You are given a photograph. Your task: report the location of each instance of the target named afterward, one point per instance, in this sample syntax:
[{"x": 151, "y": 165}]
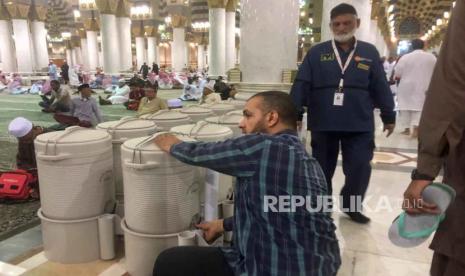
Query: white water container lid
[
  {"x": 236, "y": 112},
  {"x": 165, "y": 115},
  {"x": 219, "y": 106},
  {"x": 243, "y": 96},
  {"x": 73, "y": 140},
  {"x": 128, "y": 128},
  {"x": 142, "y": 153},
  {"x": 204, "y": 131},
  {"x": 227, "y": 119},
  {"x": 196, "y": 109}
]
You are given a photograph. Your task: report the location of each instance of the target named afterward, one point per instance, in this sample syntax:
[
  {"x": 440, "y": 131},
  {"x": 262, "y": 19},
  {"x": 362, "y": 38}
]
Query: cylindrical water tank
[
  {"x": 206, "y": 132},
  {"x": 120, "y": 131},
  {"x": 75, "y": 169},
  {"x": 220, "y": 108},
  {"x": 197, "y": 113},
  {"x": 238, "y": 104},
  {"x": 166, "y": 119},
  {"x": 160, "y": 194},
  {"x": 230, "y": 120}
]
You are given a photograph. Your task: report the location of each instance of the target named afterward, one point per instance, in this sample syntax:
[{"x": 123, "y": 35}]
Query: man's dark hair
[
  {"x": 418, "y": 44},
  {"x": 341, "y": 9},
  {"x": 154, "y": 86},
  {"x": 82, "y": 86},
  {"x": 55, "y": 82},
  {"x": 282, "y": 103}
]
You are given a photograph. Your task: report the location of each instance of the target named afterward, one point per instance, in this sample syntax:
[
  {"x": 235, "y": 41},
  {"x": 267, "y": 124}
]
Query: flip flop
[{"x": 412, "y": 230}]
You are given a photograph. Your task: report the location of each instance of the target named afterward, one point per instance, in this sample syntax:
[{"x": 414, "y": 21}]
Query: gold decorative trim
[
  {"x": 231, "y": 6},
  {"x": 107, "y": 6},
  {"x": 217, "y": 4},
  {"x": 17, "y": 11}
]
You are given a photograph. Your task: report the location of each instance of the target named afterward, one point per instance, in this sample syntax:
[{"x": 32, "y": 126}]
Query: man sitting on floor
[
  {"x": 59, "y": 101},
  {"x": 269, "y": 163},
  {"x": 150, "y": 103},
  {"x": 84, "y": 110},
  {"x": 209, "y": 96},
  {"x": 25, "y": 132},
  {"x": 120, "y": 94}
]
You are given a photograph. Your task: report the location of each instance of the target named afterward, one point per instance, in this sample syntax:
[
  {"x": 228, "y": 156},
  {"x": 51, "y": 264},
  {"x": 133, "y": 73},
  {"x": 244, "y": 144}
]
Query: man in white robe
[{"x": 414, "y": 70}]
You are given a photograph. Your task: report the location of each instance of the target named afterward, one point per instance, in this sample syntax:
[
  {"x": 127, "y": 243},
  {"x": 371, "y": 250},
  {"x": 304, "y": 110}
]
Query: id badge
[{"x": 338, "y": 99}]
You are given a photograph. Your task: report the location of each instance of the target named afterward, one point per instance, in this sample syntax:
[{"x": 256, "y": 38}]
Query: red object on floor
[{"x": 17, "y": 184}]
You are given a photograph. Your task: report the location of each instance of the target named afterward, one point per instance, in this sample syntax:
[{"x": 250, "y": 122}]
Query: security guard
[{"x": 341, "y": 81}]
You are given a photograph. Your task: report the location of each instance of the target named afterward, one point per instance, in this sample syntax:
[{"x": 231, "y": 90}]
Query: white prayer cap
[
  {"x": 210, "y": 85},
  {"x": 122, "y": 81},
  {"x": 19, "y": 127}
]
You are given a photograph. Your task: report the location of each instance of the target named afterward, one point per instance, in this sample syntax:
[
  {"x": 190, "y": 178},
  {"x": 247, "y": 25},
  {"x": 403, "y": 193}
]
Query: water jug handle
[
  {"x": 146, "y": 166},
  {"x": 44, "y": 157}
]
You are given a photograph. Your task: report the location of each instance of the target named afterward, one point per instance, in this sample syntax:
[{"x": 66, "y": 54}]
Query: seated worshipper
[
  {"x": 190, "y": 92},
  {"x": 269, "y": 162},
  {"x": 36, "y": 87},
  {"x": 84, "y": 110},
  {"x": 209, "y": 96},
  {"x": 222, "y": 88},
  {"x": 137, "y": 80},
  {"x": 59, "y": 101},
  {"x": 135, "y": 95},
  {"x": 25, "y": 132},
  {"x": 232, "y": 92},
  {"x": 15, "y": 87},
  {"x": 3, "y": 81},
  {"x": 119, "y": 96},
  {"x": 150, "y": 103}
]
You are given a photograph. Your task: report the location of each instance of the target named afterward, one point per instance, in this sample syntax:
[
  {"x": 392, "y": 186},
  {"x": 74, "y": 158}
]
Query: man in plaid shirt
[{"x": 269, "y": 162}]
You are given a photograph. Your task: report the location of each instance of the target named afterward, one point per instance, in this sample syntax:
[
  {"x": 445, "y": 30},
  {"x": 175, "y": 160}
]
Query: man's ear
[
  {"x": 358, "y": 22},
  {"x": 272, "y": 118}
]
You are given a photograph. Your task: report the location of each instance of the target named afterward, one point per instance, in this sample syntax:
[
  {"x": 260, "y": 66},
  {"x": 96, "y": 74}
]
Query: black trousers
[
  {"x": 357, "y": 153},
  {"x": 192, "y": 261}
]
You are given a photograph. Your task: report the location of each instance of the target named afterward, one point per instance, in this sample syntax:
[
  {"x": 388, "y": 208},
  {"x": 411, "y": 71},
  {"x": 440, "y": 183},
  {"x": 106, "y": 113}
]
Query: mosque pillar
[
  {"x": 68, "y": 53},
  {"x": 109, "y": 34},
  {"x": 178, "y": 46},
  {"x": 217, "y": 38},
  {"x": 151, "y": 32},
  {"x": 138, "y": 31},
  {"x": 22, "y": 36},
  {"x": 7, "y": 54},
  {"x": 84, "y": 54},
  {"x": 123, "y": 23},
  {"x": 268, "y": 45},
  {"x": 200, "y": 57},
  {"x": 230, "y": 34},
  {"x": 76, "y": 50},
  {"x": 39, "y": 35},
  {"x": 92, "y": 43}
]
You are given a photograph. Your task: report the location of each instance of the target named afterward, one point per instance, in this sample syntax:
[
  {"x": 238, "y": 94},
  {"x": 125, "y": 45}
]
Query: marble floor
[{"x": 366, "y": 249}]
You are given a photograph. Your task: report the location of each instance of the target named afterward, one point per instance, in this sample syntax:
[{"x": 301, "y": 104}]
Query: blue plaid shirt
[{"x": 271, "y": 243}]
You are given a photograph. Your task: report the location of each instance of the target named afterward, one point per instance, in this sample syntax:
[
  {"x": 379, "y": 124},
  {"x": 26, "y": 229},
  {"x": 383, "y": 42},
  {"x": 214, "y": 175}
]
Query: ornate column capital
[
  {"x": 17, "y": 11},
  {"x": 123, "y": 8},
  {"x": 137, "y": 28},
  {"x": 82, "y": 33},
  {"x": 215, "y": 4},
  {"x": 38, "y": 13},
  {"x": 91, "y": 24},
  {"x": 151, "y": 31},
  {"x": 4, "y": 15},
  {"x": 75, "y": 41},
  {"x": 107, "y": 6},
  {"x": 231, "y": 6},
  {"x": 178, "y": 21}
]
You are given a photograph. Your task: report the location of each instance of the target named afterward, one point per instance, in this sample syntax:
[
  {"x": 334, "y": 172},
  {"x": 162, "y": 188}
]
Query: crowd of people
[{"x": 338, "y": 85}]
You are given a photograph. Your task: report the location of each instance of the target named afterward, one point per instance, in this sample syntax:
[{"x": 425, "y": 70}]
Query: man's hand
[
  {"x": 413, "y": 202},
  {"x": 211, "y": 229},
  {"x": 389, "y": 128},
  {"x": 299, "y": 126},
  {"x": 165, "y": 141}
]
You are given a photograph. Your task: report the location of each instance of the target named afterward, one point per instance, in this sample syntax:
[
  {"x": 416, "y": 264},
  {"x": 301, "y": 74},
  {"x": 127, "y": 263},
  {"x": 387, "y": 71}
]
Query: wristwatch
[{"x": 420, "y": 176}]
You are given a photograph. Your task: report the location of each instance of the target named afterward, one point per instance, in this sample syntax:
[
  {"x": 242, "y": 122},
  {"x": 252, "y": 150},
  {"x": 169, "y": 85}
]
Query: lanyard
[{"x": 339, "y": 61}]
